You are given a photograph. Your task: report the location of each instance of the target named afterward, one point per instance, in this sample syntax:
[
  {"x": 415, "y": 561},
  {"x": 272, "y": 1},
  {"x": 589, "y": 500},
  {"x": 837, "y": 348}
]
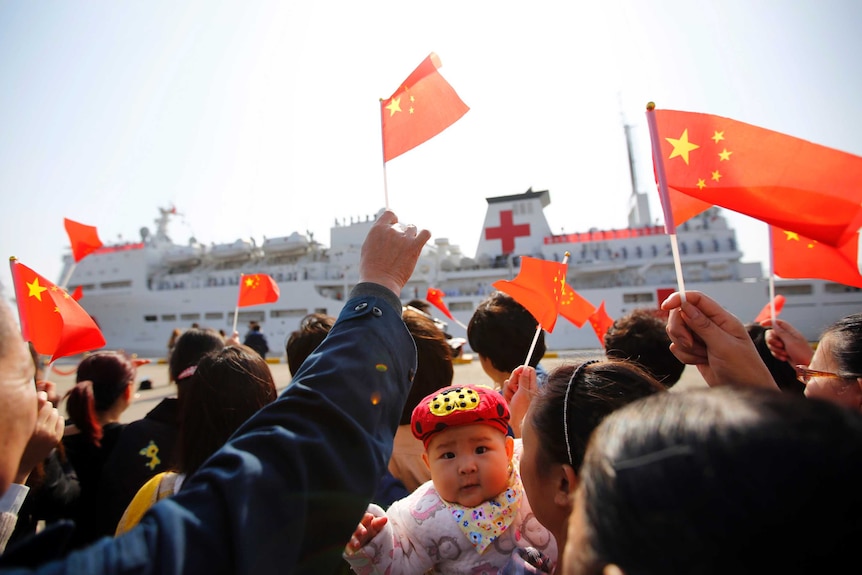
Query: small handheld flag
[{"x": 51, "y": 319}]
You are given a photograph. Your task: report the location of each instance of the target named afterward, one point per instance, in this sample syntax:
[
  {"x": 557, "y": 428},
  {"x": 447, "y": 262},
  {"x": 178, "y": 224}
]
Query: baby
[{"x": 473, "y": 513}]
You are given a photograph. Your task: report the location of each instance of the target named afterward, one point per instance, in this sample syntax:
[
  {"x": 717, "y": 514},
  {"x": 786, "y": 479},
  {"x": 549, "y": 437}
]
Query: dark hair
[
  {"x": 228, "y": 386},
  {"x": 502, "y": 330},
  {"x": 845, "y": 338},
  {"x": 782, "y": 372},
  {"x": 597, "y": 390},
  {"x": 724, "y": 480},
  {"x": 434, "y": 368},
  {"x": 641, "y": 336},
  {"x": 192, "y": 345},
  {"x": 420, "y": 304},
  {"x": 101, "y": 379},
  {"x": 313, "y": 329}
]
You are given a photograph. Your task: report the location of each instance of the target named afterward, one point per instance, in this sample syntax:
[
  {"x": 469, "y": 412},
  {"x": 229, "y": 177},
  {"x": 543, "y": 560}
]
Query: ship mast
[{"x": 638, "y": 208}]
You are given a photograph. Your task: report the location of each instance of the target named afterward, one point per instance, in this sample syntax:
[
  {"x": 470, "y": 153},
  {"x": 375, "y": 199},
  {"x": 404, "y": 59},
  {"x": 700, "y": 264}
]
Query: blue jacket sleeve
[{"x": 288, "y": 489}]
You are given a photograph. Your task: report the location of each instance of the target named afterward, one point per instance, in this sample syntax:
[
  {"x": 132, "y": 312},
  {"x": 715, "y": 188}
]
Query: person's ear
[
  {"x": 510, "y": 447},
  {"x": 611, "y": 569},
  {"x": 425, "y": 459},
  {"x": 567, "y": 483}
]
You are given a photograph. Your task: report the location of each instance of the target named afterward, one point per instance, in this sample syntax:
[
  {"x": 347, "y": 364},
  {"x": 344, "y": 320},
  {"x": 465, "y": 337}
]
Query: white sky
[{"x": 260, "y": 118}]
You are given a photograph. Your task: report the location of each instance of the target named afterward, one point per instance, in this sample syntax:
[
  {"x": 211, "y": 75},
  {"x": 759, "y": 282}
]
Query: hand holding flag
[{"x": 51, "y": 319}]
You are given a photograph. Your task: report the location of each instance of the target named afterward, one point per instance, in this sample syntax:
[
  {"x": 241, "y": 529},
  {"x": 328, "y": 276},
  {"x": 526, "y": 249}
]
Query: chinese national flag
[
  {"x": 539, "y": 287},
  {"x": 50, "y": 318},
  {"x": 435, "y": 298},
  {"x": 83, "y": 238},
  {"x": 766, "y": 312},
  {"x": 574, "y": 307},
  {"x": 784, "y": 181},
  {"x": 422, "y": 107},
  {"x": 795, "y": 256},
  {"x": 601, "y": 322},
  {"x": 256, "y": 289}
]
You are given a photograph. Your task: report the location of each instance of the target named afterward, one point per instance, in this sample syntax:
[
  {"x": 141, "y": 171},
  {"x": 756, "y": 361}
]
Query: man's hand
[
  {"x": 46, "y": 436},
  {"x": 706, "y": 335},
  {"x": 390, "y": 252}
]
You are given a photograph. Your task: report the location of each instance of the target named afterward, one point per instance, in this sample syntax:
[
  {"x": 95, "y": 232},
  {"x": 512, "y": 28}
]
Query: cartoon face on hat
[{"x": 459, "y": 405}]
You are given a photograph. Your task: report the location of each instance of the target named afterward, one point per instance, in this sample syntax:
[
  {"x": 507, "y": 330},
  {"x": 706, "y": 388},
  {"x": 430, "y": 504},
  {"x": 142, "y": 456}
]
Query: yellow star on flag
[
  {"x": 394, "y": 106},
  {"x": 718, "y": 136},
  {"x": 791, "y": 235},
  {"x": 724, "y": 155},
  {"x": 716, "y": 175},
  {"x": 252, "y": 281},
  {"x": 681, "y": 146},
  {"x": 35, "y": 289},
  {"x": 701, "y": 183}
]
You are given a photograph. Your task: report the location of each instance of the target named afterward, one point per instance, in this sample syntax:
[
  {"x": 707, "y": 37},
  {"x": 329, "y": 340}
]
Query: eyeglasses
[{"x": 804, "y": 374}]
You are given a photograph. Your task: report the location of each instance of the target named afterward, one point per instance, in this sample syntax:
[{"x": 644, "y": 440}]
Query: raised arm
[{"x": 706, "y": 335}]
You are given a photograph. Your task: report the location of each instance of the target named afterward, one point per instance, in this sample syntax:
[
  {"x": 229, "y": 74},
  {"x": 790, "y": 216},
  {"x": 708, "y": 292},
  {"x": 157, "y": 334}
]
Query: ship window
[
  {"x": 169, "y": 317},
  {"x": 190, "y": 316},
  {"x": 796, "y": 289},
  {"x": 247, "y": 316},
  {"x": 288, "y": 313},
  {"x": 461, "y": 306},
  {"x": 113, "y": 285},
  {"x": 150, "y": 318},
  {"x": 839, "y": 288},
  {"x": 213, "y": 315},
  {"x": 637, "y": 298}
]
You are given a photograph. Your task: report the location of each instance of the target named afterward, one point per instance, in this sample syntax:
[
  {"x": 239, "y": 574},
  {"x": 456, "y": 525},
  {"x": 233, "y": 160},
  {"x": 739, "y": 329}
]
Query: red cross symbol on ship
[{"x": 507, "y": 231}]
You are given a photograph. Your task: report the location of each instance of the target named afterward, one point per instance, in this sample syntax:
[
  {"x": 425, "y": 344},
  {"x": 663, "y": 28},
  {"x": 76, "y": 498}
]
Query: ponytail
[{"x": 81, "y": 407}]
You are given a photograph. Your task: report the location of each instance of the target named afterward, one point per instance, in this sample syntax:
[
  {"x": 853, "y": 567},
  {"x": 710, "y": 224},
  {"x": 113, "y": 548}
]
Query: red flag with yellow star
[
  {"x": 601, "y": 322},
  {"x": 539, "y": 287},
  {"x": 256, "y": 289},
  {"x": 422, "y": 107},
  {"x": 574, "y": 307},
  {"x": 84, "y": 239},
  {"x": 784, "y": 181},
  {"x": 795, "y": 256},
  {"x": 50, "y": 318},
  {"x": 435, "y": 298}
]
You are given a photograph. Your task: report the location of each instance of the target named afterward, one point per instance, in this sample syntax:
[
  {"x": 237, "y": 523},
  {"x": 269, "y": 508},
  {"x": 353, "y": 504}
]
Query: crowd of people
[{"x": 372, "y": 460}]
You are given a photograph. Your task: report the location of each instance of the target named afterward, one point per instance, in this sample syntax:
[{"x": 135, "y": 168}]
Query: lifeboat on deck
[
  {"x": 239, "y": 250},
  {"x": 183, "y": 255},
  {"x": 293, "y": 245}
]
